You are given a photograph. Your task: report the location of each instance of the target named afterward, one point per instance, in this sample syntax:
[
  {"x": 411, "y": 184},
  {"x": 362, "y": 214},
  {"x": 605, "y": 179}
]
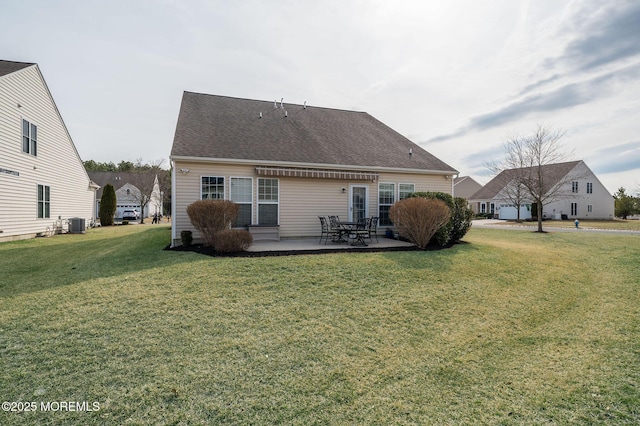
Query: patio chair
[
  {"x": 372, "y": 229},
  {"x": 337, "y": 229},
  {"x": 326, "y": 230}
]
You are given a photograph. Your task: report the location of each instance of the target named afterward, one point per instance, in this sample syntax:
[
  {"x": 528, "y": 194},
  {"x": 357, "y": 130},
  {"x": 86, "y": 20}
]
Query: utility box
[{"x": 76, "y": 225}]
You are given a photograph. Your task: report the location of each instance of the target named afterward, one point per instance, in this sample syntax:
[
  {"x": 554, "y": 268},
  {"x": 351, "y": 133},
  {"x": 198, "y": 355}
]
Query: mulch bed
[{"x": 209, "y": 251}]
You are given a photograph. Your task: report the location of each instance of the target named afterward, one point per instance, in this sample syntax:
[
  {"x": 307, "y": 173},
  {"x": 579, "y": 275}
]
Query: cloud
[
  {"x": 617, "y": 158},
  {"x": 566, "y": 96},
  {"x": 607, "y": 36}
]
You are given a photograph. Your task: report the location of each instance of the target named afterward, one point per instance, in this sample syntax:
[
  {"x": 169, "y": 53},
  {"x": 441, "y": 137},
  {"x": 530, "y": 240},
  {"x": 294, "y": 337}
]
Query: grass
[
  {"x": 509, "y": 328},
  {"x": 617, "y": 224}
]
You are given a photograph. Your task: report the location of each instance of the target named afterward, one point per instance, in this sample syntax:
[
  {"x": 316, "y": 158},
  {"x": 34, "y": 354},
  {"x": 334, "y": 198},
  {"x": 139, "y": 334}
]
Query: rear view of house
[
  {"x": 287, "y": 164},
  {"x": 43, "y": 182}
]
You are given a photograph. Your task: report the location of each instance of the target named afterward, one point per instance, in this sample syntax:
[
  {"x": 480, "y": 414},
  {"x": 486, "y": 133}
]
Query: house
[
  {"x": 580, "y": 195},
  {"x": 128, "y": 195},
  {"x": 465, "y": 187},
  {"x": 287, "y": 164},
  {"x": 43, "y": 182}
]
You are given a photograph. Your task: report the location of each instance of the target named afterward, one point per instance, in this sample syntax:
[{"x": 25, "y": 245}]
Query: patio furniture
[
  {"x": 337, "y": 227},
  {"x": 373, "y": 228},
  {"x": 326, "y": 230},
  {"x": 358, "y": 232}
]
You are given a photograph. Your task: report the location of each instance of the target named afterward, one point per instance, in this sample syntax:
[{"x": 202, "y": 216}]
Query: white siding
[
  {"x": 302, "y": 200},
  {"x": 56, "y": 165}
]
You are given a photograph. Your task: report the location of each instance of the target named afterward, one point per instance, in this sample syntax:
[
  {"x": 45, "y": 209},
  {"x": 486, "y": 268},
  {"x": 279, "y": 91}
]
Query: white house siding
[
  {"x": 600, "y": 200},
  {"x": 301, "y": 200},
  {"x": 56, "y": 165}
]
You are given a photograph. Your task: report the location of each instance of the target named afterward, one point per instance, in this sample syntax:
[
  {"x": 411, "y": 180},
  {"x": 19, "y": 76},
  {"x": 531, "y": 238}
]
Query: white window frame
[
  {"x": 45, "y": 201},
  {"x": 268, "y": 201},
  {"x": 250, "y": 202},
  {"x": 400, "y": 191},
  {"x": 31, "y": 142},
  {"x": 574, "y": 187},
  {"x": 589, "y": 187},
  {"x": 574, "y": 209},
  {"x": 589, "y": 208},
  {"x": 381, "y": 220},
  {"x": 217, "y": 184}
]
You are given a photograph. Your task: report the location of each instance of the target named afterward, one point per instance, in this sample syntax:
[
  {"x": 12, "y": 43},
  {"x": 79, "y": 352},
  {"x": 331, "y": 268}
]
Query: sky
[{"x": 457, "y": 77}]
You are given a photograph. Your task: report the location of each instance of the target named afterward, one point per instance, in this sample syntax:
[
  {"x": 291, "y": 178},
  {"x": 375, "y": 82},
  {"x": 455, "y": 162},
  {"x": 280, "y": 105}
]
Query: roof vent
[
  {"x": 410, "y": 152},
  {"x": 260, "y": 114},
  {"x": 281, "y": 103},
  {"x": 305, "y": 105},
  {"x": 285, "y": 113}
]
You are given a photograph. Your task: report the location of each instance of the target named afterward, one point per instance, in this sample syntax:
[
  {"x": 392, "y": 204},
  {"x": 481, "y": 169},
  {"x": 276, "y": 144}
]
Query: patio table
[{"x": 354, "y": 231}]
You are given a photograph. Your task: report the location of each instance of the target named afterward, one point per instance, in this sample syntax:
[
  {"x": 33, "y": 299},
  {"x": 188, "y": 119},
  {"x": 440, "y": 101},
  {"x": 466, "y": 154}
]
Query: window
[
  {"x": 589, "y": 188},
  {"x": 574, "y": 209},
  {"x": 589, "y": 208},
  {"x": 483, "y": 207},
  {"x": 44, "y": 202},
  {"x": 493, "y": 208},
  {"x": 386, "y": 198},
  {"x": 212, "y": 188},
  {"x": 574, "y": 187},
  {"x": 267, "y": 201},
  {"x": 240, "y": 192},
  {"x": 29, "y": 138},
  {"x": 405, "y": 189}
]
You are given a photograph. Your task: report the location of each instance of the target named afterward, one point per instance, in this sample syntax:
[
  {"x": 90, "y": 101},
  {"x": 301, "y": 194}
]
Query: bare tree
[
  {"x": 529, "y": 160},
  {"x": 507, "y": 174},
  {"x": 144, "y": 178}
]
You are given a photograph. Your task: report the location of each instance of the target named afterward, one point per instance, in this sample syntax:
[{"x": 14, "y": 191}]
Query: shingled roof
[
  {"x": 8, "y": 67},
  {"x": 220, "y": 127},
  {"x": 552, "y": 173}
]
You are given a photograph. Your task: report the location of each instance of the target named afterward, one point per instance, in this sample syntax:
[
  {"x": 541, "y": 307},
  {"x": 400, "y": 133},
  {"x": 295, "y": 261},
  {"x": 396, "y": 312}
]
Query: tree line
[{"x": 139, "y": 174}]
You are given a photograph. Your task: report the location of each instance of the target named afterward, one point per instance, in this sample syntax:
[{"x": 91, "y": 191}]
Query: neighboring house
[
  {"x": 127, "y": 194},
  {"x": 286, "y": 164},
  {"x": 581, "y": 195},
  {"x": 465, "y": 187},
  {"x": 43, "y": 182}
]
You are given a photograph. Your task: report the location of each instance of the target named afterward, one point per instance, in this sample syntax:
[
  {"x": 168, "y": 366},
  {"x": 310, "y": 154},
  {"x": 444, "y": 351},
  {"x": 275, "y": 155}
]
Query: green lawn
[
  {"x": 509, "y": 328},
  {"x": 617, "y": 224}
]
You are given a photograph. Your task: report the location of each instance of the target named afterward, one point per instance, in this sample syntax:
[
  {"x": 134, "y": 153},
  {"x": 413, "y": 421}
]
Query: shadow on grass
[{"x": 43, "y": 264}]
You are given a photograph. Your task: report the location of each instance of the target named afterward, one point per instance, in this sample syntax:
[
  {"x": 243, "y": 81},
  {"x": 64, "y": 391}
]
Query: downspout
[
  {"x": 173, "y": 202},
  {"x": 453, "y": 179}
]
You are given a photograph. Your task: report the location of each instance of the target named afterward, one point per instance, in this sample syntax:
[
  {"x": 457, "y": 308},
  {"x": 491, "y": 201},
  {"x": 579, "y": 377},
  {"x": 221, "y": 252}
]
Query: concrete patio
[{"x": 313, "y": 244}]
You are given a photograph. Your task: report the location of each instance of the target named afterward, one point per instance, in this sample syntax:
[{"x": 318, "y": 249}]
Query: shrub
[
  {"x": 107, "y": 205},
  {"x": 418, "y": 219},
  {"x": 442, "y": 235},
  {"x": 212, "y": 216},
  {"x": 186, "y": 237},
  {"x": 232, "y": 240},
  {"x": 461, "y": 219}
]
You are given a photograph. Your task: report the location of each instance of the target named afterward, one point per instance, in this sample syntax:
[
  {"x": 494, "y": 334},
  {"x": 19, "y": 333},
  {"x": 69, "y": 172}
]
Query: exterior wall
[
  {"x": 56, "y": 165},
  {"x": 600, "y": 200},
  {"x": 301, "y": 200}
]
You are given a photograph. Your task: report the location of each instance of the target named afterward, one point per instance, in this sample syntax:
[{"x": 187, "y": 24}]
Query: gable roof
[
  {"x": 117, "y": 179},
  {"x": 8, "y": 67},
  {"x": 553, "y": 173},
  {"x": 220, "y": 127}
]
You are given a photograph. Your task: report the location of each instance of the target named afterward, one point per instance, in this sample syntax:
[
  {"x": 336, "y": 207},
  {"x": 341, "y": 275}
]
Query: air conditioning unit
[{"x": 76, "y": 225}]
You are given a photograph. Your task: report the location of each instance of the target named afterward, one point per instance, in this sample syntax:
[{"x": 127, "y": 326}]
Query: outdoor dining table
[{"x": 350, "y": 229}]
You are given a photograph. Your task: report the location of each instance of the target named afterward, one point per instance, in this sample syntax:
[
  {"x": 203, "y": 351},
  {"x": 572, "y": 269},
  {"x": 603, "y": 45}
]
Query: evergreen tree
[{"x": 107, "y": 205}]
